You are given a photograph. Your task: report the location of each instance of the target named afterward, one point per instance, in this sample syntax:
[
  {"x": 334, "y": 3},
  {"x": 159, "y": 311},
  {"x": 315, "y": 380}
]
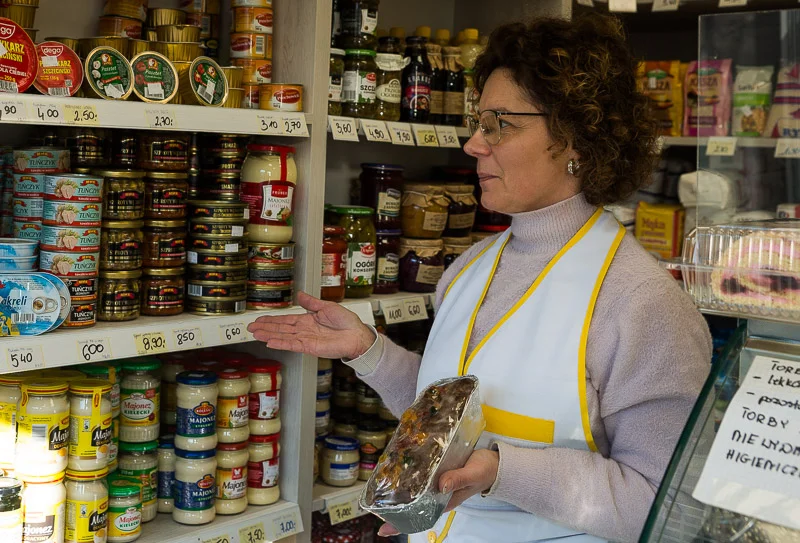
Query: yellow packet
[
  {"x": 661, "y": 82},
  {"x": 659, "y": 228}
]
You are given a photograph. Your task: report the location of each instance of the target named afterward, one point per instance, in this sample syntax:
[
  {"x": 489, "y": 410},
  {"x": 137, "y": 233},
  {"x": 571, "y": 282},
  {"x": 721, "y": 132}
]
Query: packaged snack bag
[
  {"x": 660, "y": 81},
  {"x": 752, "y": 96},
  {"x": 708, "y": 98},
  {"x": 784, "y": 116}
]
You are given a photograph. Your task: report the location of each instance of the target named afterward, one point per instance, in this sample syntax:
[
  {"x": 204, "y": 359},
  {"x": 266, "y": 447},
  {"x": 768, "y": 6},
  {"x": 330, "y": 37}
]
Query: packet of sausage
[{"x": 436, "y": 434}]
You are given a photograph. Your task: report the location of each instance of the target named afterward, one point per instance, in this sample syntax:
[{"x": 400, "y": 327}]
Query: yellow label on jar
[
  {"x": 231, "y": 483},
  {"x": 86, "y": 520},
  {"x": 233, "y": 412},
  {"x": 90, "y": 437},
  {"x": 8, "y": 431},
  {"x": 148, "y": 478},
  {"x": 124, "y": 521},
  {"x": 42, "y": 433}
]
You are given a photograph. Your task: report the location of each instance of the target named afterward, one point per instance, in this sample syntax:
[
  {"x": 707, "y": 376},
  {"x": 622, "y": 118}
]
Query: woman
[{"x": 589, "y": 356}]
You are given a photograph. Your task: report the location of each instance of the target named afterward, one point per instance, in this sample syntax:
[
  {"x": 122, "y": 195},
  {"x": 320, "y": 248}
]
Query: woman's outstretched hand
[{"x": 328, "y": 330}]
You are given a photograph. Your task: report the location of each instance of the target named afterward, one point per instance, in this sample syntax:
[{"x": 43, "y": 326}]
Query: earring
[{"x": 572, "y": 167}]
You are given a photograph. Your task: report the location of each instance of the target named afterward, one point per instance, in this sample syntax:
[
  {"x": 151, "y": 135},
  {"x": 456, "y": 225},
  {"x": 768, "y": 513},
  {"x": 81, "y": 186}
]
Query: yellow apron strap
[{"x": 432, "y": 538}]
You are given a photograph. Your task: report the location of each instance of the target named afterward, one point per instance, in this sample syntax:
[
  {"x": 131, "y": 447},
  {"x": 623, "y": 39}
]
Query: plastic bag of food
[
  {"x": 752, "y": 95},
  {"x": 660, "y": 81},
  {"x": 436, "y": 434},
  {"x": 784, "y": 116},
  {"x": 708, "y": 98}
]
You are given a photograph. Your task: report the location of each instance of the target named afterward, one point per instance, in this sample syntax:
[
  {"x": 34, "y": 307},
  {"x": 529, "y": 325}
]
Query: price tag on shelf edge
[
  {"x": 164, "y": 119},
  {"x": 286, "y": 524},
  {"x": 294, "y": 124},
  {"x": 787, "y": 148},
  {"x": 732, "y": 3},
  {"x": 665, "y": 5},
  {"x": 150, "y": 343},
  {"x": 12, "y": 110},
  {"x": 400, "y": 133},
  {"x": 95, "y": 350},
  {"x": 270, "y": 125},
  {"x": 82, "y": 115},
  {"x": 344, "y": 511},
  {"x": 718, "y": 146},
  {"x": 188, "y": 338},
  {"x": 425, "y": 135},
  {"x": 587, "y": 3},
  {"x": 375, "y": 131},
  {"x": 393, "y": 311},
  {"x": 220, "y": 538},
  {"x": 622, "y": 6},
  {"x": 253, "y": 533},
  {"x": 448, "y": 137},
  {"x": 343, "y": 128},
  {"x": 47, "y": 113},
  {"x": 233, "y": 333},
  {"x": 415, "y": 309},
  {"x": 25, "y": 358}
]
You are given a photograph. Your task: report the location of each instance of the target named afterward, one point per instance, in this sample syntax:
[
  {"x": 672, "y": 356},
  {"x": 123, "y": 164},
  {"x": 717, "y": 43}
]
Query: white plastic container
[
  {"x": 233, "y": 406},
  {"x": 232, "y": 459},
  {"x": 195, "y": 487},
  {"x": 89, "y": 424},
  {"x": 196, "y": 425}
]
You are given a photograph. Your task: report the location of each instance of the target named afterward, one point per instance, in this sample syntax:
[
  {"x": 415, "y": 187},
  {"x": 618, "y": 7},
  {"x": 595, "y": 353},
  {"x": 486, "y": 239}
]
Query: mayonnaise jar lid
[
  {"x": 195, "y": 455},
  {"x": 147, "y": 446},
  {"x": 264, "y": 366},
  {"x": 232, "y": 373},
  {"x": 142, "y": 364},
  {"x": 90, "y": 386},
  {"x": 101, "y": 370},
  {"x": 272, "y": 438},
  {"x": 87, "y": 475},
  {"x": 121, "y": 488},
  {"x": 341, "y": 443},
  {"x": 196, "y": 378},
  {"x": 230, "y": 447},
  {"x": 45, "y": 386}
]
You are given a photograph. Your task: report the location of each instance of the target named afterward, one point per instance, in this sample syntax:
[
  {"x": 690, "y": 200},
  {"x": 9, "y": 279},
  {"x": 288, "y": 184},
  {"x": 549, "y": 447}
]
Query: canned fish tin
[
  {"x": 82, "y": 314},
  {"x": 216, "y": 289},
  {"x": 229, "y": 228},
  {"x": 215, "y": 306},
  {"x": 215, "y": 258},
  {"x": 280, "y": 97},
  {"x": 217, "y": 273},
  {"x": 223, "y": 162},
  {"x": 81, "y": 288},
  {"x": 155, "y": 79},
  {"x": 223, "y": 244},
  {"x": 270, "y": 253},
  {"x": 209, "y": 209},
  {"x": 224, "y": 143},
  {"x": 30, "y": 209},
  {"x": 41, "y": 160},
  {"x": 68, "y": 213},
  {"x": 73, "y": 187},
  {"x": 259, "y": 297},
  {"x": 208, "y": 24},
  {"x": 108, "y": 74},
  {"x": 204, "y": 83},
  {"x": 256, "y": 71},
  {"x": 270, "y": 276},
  {"x": 251, "y": 96},
  {"x": 252, "y": 19},
  {"x": 69, "y": 264},
  {"x": 27, "y": 230},
  {"x": 69, "y": 238},
  {"x": 29, "y": 185},
  {"x": 251, "y": 45}
]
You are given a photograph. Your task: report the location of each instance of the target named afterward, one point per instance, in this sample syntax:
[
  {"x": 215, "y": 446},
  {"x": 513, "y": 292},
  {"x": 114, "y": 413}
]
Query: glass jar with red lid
[
  {"x": 334, "y": 264},
  {"x": 382, "y": 190},
  {"x": 387, "y": 278}
]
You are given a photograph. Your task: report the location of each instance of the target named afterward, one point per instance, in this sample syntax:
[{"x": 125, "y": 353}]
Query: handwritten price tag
[
  {"x": 164, "y": 119},
  {"x": 393, "y": 311},
  {"x": 150, "y": 343},
  {"x": 448, "y": 137},
  {"x": 25, "y": 358},
  {"x": 721, "y": 146},
  {"x": 415, "y": 309},
  {"x": 222, "y": 538},
  {"x": 343, "y": 128},
  {"x": 48, "y": 113},
  {"x": 81, "y": 115},
  {"x": 622, "y": 6},
  {"x": 425, "y": 135},
  {"x": 95, "y": 350},
  {"x": 253, "y": 534},
  {"x": 269, "y": 125},
  {"x": 233, "y": 333},
  {"x": 732, "y": 3},
  {"x": 342, "y": 512},
  {"x": 665, "y": 5},
  {"x": 400, "y": 133},
  {"x": 188, "y": 338},
  {"x": 294, "y": 124},
  {"x": 375, "y": 131},
  {"x": 286, "y": 525},
  {"x": 587, "y": 3},
  {"x": 787, "y": 148},
  {"x": 12, "y": 110}
]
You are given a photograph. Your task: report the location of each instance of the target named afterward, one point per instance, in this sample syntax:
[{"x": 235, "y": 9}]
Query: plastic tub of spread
[
  {"x": 114, "y": 25},
  {"x": 178, "y": 33},
  {"x": 73, "y": 187},
  {"x": 123, "y": 194},
  {"x": 280, "y": 97},
  {"x": 163, "y": 291},
  {"x": 119, "y": 295},
  {"x": 217, "y": 273},
  {"x": 108, "y": 74},
  {"x": 203, "y": 257},
  {"x": 60, "y": 70},
  {"x": 155, "y": 79},
  {"x": 251, "y": 45},
  {"x": 18, "y": 248},
  {"x": 421, "y": 264},
  {"x": 164, "y": 244},
  {"x": 269, "y": 297},
  {"x": 204, "y": 83},
  {"x": 423, "y": 212},
  {"x": 121, "y": 247},
  {"x": 256, "y": 71}
]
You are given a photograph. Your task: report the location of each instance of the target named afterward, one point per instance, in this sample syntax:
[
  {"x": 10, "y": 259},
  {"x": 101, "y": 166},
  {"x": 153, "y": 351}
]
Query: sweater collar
[{"x": 550, "y": 228}]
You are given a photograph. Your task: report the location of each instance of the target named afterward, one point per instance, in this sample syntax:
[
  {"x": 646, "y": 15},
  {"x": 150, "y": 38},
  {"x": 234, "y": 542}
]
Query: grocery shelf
[
  {"x": 690, "y": 141},
  {"x": 351, "y": 130},
  {"x": 326, "y": 496},
  {"x": 401, "y": 307},
  {"x": 83, "y": 112},
  {"x": 263, "y": 523}
]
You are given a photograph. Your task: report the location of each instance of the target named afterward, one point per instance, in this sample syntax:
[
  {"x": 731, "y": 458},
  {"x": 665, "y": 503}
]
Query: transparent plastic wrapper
[
  {"x": 436, "y": 434},
  {"x": 750, "y": 268}
]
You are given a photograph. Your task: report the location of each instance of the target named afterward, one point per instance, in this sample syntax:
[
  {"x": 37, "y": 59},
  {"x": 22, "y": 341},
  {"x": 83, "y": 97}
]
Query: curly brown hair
[{"x": 583, "y": 75}]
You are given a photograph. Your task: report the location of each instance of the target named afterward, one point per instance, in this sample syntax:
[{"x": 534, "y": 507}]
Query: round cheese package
[{"x": 60, "y": 70}]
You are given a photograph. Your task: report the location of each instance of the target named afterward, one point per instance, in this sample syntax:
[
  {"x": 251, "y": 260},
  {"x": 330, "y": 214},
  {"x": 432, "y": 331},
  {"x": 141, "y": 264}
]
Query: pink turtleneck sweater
[{"x": 648, "y": 354}]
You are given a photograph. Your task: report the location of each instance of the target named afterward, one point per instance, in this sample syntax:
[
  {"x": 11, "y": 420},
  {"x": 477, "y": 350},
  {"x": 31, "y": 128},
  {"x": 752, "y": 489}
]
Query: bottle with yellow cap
[
  {"x": 470, "y": 48},
  {"x": 423, "y": 32},
  {"x": 442, "y": 37},
  {"x": 399, "y": 33},
  {"x": 458, "y": 39}
]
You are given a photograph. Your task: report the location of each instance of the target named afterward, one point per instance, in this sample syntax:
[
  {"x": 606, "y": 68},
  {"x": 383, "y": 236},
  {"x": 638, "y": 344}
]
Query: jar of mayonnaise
[
  {"x": 197, "y": 411},
  {"x": 43, "y": 506},
  {"x": 139, "y": 461},
  {"x": 262, "y": 470},
  {"x": 87, "y": 506},
  {"x": 113, "y": 447},
  {"x": 339, "y": 463},
  {"x": 106, "y": 372},
  {"x": 140, "y": 391},
  {"x": 232, "y": 461},
  {"x": 269, "y": 179},
  {"x": 171, "y": 366},
  {"x": 10, "y": 509},
  {"x": 90, "y": 424},
  {"x": 265, "y": 384},
  {"x": 10, "y": 393},
  {"x": 324, "y": 374},
  {"x": 323, "y": 418},
  {"x": 195, "y": 487},
  {"x": 233, "y": 406},
  {"x": 166, "y": 474},
  {"x": 124, "y": 511},
  {"x": 42, "y": 429}
]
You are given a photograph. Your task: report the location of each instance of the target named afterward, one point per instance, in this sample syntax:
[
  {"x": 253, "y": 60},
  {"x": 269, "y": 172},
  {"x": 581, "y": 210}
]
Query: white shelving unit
[{"x": 331, "y": 498}]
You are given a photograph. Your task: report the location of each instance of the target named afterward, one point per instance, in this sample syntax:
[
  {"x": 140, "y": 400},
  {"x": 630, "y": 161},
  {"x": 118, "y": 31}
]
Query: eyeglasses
[{"x": 488, "y": 122}]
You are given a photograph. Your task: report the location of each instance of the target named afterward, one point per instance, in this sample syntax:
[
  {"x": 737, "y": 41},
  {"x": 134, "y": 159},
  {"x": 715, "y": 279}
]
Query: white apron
[{"x": 531, "y": 367}]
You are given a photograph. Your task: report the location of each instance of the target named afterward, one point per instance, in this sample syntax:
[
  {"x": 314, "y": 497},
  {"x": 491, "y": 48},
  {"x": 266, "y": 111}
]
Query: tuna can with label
[
  {"x": 227, "y": 227},
  {"x": 262, "y": 275},
  {"x": 224, "y": 244},
  {"x": 251, "y": 45},
  {"x": 215, "y": 289},
  {"x": 203, "y": 257},
  {"x": 82, "y": 314},
  {"x": 217, "y": 273},
  {"x": 73, "y": 187},
  {"x": 69, "y": 264},
  {"x": 81, "y": 288},
  {"x": 215, "y": 306},
  {"x": 68, "y": 213},
  {"x": 27, "y": 229},
  {"x": 259, "y": 297},
  {"x": 27, "y": 209},
  {"x": 29, "y": 185},
  {"x": 280, "y": 97},
  {"x": 270, "y": 253},
  {"x": 41, "y": 160},
  {"x": 71, "y": 238}
]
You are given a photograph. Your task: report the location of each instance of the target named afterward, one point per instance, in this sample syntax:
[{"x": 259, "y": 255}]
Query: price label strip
[
  {"x": 188, "y": 338},
  {"x": 81, "y": 115},
  {"x": 294, "y": 124},
  {"x": 269, "y": 125},
  {"x": 393, "y": 311},
  {"x": 48, "y": 113},
  {"x": 448, "y": 137},
  {"x": 400, "y": 133},
  {"x": 25, "y": 358},
  {"x": 375, "y": 131},
  {"x": 150, "y": 343},
  {"x": 415, "y": 309},
  {"x": 787, "y": 148},
  {"x": 233, "y": 333},
  {"x": 95, "y": 350},
  {"x": 587, "y": 3},
  {"x": 425, "y": 135},
  {"x": 344, "y": 511},
  {"x": 12, "y": 110},
  {"x": 253, "y": 534},
  {"x": 718, "y": 146},
  {"x": 732, "y": 3},
  {"x": 221, "y": 538},
  {"x": 164, "y": 119},
  {"x": 286, "y": 524},
  {"x": 343, "y": 128},
  {"x": 665, "y": 5},
  {"x": 622, "y": 6}
]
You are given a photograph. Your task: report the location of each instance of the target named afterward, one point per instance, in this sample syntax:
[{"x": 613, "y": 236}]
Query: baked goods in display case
[{"x": 750, "y": 268}]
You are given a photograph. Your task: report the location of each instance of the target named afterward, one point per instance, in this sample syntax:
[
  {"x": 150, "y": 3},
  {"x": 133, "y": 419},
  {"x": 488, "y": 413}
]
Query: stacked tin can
[
  {"x": 70, "y": 241},
  {"x": 217, "y": 277},
  {"x": 221, "y": 157},
  {"x": 205, "y": 14},
  {"x": 270, "y": 278},
  {"x": 7, "y": 206},
  {"x": 29, "y": 170},
  {"x": 251, "y": 45}
]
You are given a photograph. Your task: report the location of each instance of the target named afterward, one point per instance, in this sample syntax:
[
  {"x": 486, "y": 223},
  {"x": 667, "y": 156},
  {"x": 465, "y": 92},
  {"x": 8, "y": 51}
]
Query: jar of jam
[
  {"x": 118, "y": 295},
  {"x": 121, "y": 245},
  {"x": 89, "y": 147},
  {"x": 387, "y": 280},
  {"x": 382, "y": 189},
  {"x": 335, "y": 75},
  {"x": 123, "y": 194},
  {"x": 360, "y": 235},
  {"x": 164, "y": 244},
  {"x": 461, "y": 211},
  {"x": 164, "y": 151},
  {"x": 124, "y": 147},
  {"x": 334, "y": 264},
  {"x": 423, "y": 212},
  {"x": 421, "y": 264},
  {"x": 359, "y": 84},
  {"x": 455, "y": 247},
  {"x": 165, "y": 195},
  {"x": 163, "y": 291}
]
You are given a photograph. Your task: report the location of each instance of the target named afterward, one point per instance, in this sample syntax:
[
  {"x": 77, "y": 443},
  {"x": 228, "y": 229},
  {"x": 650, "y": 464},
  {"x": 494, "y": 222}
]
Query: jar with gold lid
[
  {"x": 455, "y": 247},
  {"x": 163, "y": 291},
  {"x": 461, "y": 211},
  {"x": 121, "y": 245},
  {"x": 421, "y": 264},
  {"x": 423, "y": 212},
  {"x": 164, "y": 244},
  {"x": 119, "y": 295},
  {"x": 165, "y": 195},
  {"x": 163, "y": 151},
  {"x": 123, "y": 194}
]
